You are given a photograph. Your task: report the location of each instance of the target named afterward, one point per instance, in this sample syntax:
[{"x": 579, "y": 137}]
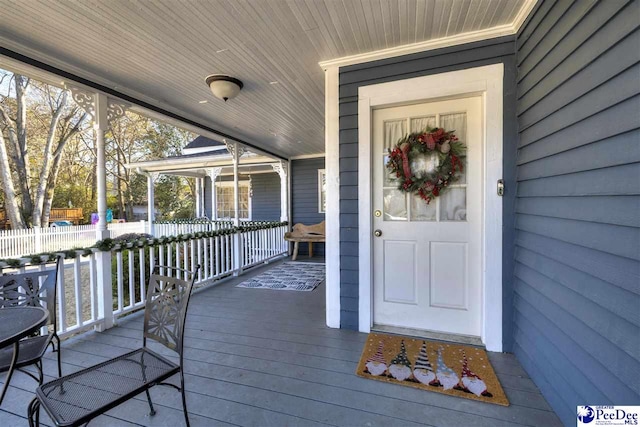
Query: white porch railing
[
  {"x": 177, "y": 228},
  {"x": 17, "y": 243},
  {"x": 131, "y": 265}
]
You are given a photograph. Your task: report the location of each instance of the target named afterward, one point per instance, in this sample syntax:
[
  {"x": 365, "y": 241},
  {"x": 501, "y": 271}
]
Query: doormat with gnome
[{"x": 457, "y": 370}]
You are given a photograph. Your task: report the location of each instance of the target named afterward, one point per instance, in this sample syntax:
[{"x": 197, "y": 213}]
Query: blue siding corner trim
[
  {"x": 576, "y": 317},
  {"x": 499, "y": 50},
  {"x": 304, "y": 197}
]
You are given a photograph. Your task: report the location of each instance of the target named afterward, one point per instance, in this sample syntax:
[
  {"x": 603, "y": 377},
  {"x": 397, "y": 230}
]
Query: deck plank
[{"x": 257, "y": 357}]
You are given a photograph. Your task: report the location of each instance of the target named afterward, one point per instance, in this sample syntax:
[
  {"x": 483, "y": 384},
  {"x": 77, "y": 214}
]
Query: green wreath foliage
[{"x": 429, "y": 185}]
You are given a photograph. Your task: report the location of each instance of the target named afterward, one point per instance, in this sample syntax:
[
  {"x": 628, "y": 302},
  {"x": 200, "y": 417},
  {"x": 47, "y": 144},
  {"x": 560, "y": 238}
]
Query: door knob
[{"x": 377, "y": 233}]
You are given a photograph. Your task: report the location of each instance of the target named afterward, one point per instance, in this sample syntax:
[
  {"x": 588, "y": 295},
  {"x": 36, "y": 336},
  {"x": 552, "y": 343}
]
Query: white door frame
[{"x": 485, "y": 81}]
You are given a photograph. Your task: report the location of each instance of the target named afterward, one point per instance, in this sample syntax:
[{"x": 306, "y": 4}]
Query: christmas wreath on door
[{"x": 433, "y": 143}]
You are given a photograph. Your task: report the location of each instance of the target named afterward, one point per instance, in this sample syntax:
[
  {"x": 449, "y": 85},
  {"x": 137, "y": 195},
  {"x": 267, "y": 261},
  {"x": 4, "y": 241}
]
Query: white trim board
[
  {"x": 332, "y": 215},
  {"x": 458, "y": 39},
  {"x": 486, "y": 81},
  {"x": 307, "y": 156}
]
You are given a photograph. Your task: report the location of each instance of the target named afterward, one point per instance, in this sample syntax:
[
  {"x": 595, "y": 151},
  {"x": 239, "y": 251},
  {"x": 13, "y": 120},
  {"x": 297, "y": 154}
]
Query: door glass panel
[
  {"x": 453, "y": 204},
  {"x": 393, "y": 131},
  {"x": 394, "y": 205},
  {"x": 424, "y": 163},
  {"x": 421, "y": 123},
  {"x": 389, "y": 179},
  {"x": 421, "y": 211},
  {"x": 457, "y": 122}
]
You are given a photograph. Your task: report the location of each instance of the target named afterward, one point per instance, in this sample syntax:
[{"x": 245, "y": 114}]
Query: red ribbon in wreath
[{"x": 405, "y": 161}]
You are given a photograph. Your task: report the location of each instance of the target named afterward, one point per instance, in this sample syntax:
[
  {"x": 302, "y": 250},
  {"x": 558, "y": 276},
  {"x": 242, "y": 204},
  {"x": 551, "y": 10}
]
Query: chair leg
[
  {"x": 152, "y": 411},
  {"x": 57, "y": 349},
  {"x": 34, "y": 412},
  {"x": 184, "y": 399},
  {"x": 40, "y": 371},
  {"x": 12, "y": 367}
]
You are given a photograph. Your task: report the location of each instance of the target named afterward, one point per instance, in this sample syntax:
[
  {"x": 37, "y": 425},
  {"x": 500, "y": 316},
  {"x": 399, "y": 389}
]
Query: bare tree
[{"x": 60, "y": 122}]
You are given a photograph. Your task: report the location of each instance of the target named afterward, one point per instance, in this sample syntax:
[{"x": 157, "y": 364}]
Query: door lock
[
  {"x": 377, "y": 233},
  {"x": 501, "y": 187}
]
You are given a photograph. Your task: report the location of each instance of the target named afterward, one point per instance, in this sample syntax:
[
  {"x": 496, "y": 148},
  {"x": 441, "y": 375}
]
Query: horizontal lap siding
[
  {"x": 577, "y": 256},
  {"x": 500, "y": 50},
  {"x": 265, "y": 199},
  {"x": 304, "y": 195}
]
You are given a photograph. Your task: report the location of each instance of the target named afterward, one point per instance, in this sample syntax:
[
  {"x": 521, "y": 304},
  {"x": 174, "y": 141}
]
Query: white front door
[{"x": 427, "y": 263}]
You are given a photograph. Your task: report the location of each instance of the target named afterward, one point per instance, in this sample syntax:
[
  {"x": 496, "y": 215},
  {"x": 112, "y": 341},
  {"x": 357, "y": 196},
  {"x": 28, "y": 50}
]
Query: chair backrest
[
  {"x": 309, "y": 229},
  {"x": 32, "y": 289},
  {"x": 166, "y": 306}
]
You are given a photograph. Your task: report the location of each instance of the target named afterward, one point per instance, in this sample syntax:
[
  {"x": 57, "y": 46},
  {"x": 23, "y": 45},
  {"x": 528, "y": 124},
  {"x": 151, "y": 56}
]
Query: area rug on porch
[
  {"x": 457, "y": 370},
  {"x": 288, "y": 276}
]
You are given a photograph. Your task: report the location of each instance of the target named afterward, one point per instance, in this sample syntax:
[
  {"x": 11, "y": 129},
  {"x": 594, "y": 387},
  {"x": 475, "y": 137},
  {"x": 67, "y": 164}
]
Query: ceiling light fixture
[{"x": 224, "y": 87}]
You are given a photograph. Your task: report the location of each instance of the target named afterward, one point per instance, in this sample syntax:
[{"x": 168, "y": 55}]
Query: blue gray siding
[
  {"x": 304, "y": 197},
  {"x": 577, "y": 271},
  {"x": 265, "y": 202},
  {"x": 500, "y": 50}
]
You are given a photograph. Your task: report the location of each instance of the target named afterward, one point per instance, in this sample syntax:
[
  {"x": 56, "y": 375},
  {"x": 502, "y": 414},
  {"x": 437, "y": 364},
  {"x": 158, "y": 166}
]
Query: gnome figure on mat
[
  {"x": 422, "y": 370},
  {"x": 376, "y": 365},
  {"x": 400, "y": 367},
  {"x": 447, "y": 378},
  {"x": 471, "y": 382}
]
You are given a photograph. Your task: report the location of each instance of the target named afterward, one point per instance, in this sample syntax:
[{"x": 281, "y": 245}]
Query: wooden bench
[{"x": 305, "y": 233}]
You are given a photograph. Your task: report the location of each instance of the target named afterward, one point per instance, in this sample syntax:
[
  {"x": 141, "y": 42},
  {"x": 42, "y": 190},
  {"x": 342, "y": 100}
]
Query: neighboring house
[
  {"x": 259, "y": 184},
  {"x": 536, "y": 252}
]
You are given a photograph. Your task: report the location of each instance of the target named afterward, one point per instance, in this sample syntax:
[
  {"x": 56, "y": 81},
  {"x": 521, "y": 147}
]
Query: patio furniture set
[{"x": 28, "y": 327}]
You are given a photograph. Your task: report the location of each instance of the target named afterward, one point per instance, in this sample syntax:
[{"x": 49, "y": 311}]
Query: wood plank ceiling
[{"x": 160, "y": 51}]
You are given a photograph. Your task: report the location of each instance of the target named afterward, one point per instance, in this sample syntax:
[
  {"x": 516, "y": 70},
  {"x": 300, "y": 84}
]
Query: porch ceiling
[{"x": 161, "y": 51}]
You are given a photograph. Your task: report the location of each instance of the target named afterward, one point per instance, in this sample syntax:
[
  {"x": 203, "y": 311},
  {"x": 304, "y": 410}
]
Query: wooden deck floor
[{"x": 264, "y": 358}]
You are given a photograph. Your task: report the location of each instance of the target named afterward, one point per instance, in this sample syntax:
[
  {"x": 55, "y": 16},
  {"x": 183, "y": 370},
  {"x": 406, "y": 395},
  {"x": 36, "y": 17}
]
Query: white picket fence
[
  {"x": 219, "y": 257},
  {"x": 18, "y": 243}
]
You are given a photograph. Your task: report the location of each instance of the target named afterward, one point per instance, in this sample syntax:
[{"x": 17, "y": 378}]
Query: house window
[
  {"x": 224, "y": 200},
  {"x": 322, "y": 190}
]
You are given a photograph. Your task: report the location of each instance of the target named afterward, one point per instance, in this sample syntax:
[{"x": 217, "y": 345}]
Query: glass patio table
[{"x": 15, "y": 324}]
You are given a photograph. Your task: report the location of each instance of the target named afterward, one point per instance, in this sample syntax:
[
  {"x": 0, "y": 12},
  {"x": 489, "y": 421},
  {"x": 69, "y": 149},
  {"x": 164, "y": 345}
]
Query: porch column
[
  {"x": 198, "y": 212},
  {"x": 213, "y": 174},
  {"x": 282, "y": 169},
  {"x": 102, "y": 110},
  {"x": 103, "y": 259},
  {"x": 236, "y": 151},
  {"x": 203, "y": 210},
  {"x": 152, "y": 177}
]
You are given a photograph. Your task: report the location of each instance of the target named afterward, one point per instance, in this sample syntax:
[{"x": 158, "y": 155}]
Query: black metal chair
[
  {"x": 80, "y": 397},
  {"x": 32, "y": 289}
]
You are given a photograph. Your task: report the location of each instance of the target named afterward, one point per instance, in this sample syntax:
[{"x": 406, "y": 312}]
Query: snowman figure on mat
[
  {"x": 400, "y": 367},
  {"x": 376, "y": 365}
]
